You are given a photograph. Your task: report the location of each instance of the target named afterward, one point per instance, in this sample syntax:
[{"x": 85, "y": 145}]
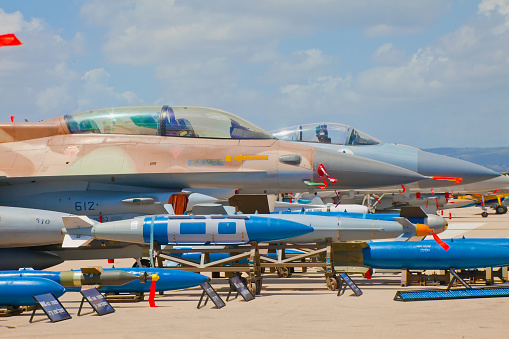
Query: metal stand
[{"x": 455, "y": 278}]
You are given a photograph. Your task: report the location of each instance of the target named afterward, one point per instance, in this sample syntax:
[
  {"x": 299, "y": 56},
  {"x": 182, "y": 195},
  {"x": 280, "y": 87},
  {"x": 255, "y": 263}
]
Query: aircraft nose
[
  {"x": 436, "y": 165},
  {"x": 358, "y": 172}
]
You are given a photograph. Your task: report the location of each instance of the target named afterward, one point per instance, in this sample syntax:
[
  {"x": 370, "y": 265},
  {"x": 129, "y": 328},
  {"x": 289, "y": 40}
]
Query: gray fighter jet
[{"x": 443, "y": 171}]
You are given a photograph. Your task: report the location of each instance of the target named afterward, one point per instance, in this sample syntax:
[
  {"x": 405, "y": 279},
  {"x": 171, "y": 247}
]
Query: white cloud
[
  {"x": 389, "y": 30},
  {"x": 38, "y": 78},
  {"x": 298, "y": 65},
  {"x": 389, "y": 55}
]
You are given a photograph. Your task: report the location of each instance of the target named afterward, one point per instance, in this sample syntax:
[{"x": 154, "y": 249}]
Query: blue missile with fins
[
  {"x": 112, "y": 279},
  {"x": 241, "y": 229}
]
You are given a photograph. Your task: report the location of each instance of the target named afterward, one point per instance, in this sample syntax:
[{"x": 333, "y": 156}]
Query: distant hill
[{"x": 495, "y": 158}]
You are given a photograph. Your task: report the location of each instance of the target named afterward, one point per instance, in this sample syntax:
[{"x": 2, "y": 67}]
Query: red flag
[
  {"x": 367, "y": 275},
  {"x": 152, "y": 294},
  {"x": 440, "y": 242},
  {"x": 9, "y": 40}
]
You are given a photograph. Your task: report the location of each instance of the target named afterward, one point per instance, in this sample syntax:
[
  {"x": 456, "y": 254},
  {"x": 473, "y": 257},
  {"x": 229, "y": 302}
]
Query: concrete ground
[{"x": 299, "y": 306}]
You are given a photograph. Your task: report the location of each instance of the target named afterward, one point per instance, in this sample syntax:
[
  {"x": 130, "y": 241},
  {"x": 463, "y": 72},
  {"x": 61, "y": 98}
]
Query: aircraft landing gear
[
  {"x": 484, "y": 214},
  {"x": 500, "y": 209}
]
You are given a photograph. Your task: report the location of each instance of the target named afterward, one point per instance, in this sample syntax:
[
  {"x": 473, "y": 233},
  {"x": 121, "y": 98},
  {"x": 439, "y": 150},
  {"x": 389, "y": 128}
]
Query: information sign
[
  {"x": 212, "y": 294},
  {"x": 51, "y": 307},
  {"x": 97, "y": 301}
]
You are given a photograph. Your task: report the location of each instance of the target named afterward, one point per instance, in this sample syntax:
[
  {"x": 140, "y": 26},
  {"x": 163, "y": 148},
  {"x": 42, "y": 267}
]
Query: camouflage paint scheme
[{"x": 61, "y": 150}]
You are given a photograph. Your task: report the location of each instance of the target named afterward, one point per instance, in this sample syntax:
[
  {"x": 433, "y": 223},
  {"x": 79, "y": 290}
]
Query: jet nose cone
[
  {"x": 358, "y": 172},
  {"x": 436, "y": 165}
]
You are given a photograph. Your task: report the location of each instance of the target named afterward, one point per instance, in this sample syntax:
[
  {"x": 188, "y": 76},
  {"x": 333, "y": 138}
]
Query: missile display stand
[{"x": 256, "y": 261}]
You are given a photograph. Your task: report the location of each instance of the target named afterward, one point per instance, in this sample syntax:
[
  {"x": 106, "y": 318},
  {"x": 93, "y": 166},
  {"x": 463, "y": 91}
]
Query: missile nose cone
[
  {"x": 269, "y": 229},
  {"x": 358, "y": 172},
  {"x": 437, "y": 223},
  {"x": 173, "y": 279},
  {"x": 436, "y": 165}
]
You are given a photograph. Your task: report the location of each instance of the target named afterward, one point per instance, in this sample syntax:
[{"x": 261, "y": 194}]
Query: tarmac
[{"x": 295, "y": 307}]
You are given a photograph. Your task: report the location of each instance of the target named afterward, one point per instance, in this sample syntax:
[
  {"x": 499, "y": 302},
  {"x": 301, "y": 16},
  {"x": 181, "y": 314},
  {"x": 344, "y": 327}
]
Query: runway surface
[{"x": 295, "y": 307}]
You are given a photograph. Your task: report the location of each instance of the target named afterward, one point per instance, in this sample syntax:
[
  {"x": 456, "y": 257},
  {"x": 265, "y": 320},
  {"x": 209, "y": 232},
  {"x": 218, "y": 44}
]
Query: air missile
[
  {"x": 414, "y": 214},
  {"x": 423, "y": 255},
  {"x": 169, "y": 280},
  {"x": 85, "y": 276},
  {"x": 22, "y": 227},
  {"x": 184, "y": 229},
  {"x": 114, "y": 279},
  {"x": 19, "y": 291},
  {"x": 240, "y": 229}
]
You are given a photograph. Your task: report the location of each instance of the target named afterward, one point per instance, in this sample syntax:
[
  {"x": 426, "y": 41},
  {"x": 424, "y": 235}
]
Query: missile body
[
  {"x": 19, "y": 291},
  {"x": 424, "y": 255},
  {"x": 196, "y": 230},
  {"x": 239, "y": 229},
  {"x": 435, "y": 222},
  {"x": 113, "y": 279},
  {"x": 169, "y": 279},
  {"x": 85, "y": 276},
  {"x": 20, "y": 227}
]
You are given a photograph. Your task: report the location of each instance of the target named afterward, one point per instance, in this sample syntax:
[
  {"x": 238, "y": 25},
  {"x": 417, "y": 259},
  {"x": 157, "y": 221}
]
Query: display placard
[
  {"x": 348, "y": 281},
  {"x": 97, "y": 301},
  {"x": 239, "y": 286},
  {"x": 51, "y": 307},
  {"x": 212, "y": 294}
]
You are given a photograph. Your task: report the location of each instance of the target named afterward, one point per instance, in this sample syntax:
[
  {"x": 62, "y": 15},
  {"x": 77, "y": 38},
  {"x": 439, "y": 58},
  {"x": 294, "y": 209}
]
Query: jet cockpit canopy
[
  {"x": 326, "y": 133},
  {"x": 176, "y": 121}
]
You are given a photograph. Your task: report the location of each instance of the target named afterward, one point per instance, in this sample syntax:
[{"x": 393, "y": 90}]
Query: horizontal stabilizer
[
  {"x": 412, "y": 212},
  {"x": 74, "y": 240},
  {"x": 77, "y": 221}
]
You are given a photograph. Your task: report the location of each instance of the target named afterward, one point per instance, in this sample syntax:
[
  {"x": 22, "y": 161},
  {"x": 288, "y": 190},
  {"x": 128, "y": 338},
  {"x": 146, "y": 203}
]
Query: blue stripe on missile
[
  {"x": 160, "y": 229},
  {"x": 267, "y": 229}
]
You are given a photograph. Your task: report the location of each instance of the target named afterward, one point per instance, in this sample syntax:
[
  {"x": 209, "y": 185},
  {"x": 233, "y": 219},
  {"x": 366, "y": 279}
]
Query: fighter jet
[
  {"x": 442, "y": 170},
  {"x": 445, "y": 174},
  {"x": 70, "y": 162}
]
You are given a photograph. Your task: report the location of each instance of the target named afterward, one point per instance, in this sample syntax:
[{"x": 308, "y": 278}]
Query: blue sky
[{"x": 423, "y": 73}]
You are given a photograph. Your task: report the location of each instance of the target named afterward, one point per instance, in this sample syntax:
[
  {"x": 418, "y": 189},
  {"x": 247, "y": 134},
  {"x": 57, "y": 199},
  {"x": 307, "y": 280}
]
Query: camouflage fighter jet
[{"x": 134, "y": 154}]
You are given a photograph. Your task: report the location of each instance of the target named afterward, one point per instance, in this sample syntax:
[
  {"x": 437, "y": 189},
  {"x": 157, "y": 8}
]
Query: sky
[{"x": 426, "y": 73}]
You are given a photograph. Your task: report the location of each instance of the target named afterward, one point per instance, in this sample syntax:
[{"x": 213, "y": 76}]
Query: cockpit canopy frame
[
  {"x": 175, "y": 121},
  {"x": 326, "y": 133}
]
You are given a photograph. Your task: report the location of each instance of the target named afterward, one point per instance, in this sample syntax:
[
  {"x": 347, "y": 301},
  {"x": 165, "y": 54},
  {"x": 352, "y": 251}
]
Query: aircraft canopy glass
[
  {"x": 177, "y": 121},
  {"x": 326, "y": 133}
]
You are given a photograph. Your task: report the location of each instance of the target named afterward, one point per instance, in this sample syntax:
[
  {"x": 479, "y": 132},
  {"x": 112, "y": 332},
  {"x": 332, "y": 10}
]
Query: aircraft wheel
[
  {"x": 484, "y": 214},
  {"x": 504, "y": 207},
  {"x": 499, "y": 209}
]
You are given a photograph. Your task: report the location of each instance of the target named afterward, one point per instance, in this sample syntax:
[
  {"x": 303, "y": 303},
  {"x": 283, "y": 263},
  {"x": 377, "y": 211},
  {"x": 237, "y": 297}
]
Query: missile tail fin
[
  {"x": 77, "y": 221},
  {"x": 74, "y": 240}
]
